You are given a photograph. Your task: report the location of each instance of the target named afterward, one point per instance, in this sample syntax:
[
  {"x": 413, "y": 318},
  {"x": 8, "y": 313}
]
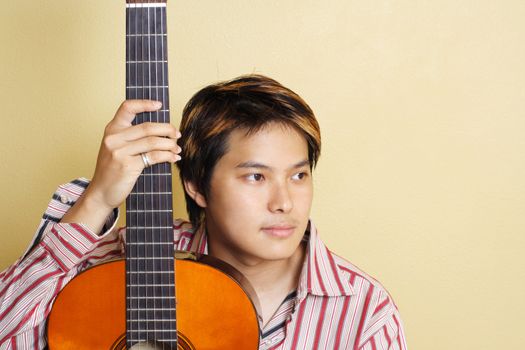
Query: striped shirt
[{"x": 335, "y": 306}]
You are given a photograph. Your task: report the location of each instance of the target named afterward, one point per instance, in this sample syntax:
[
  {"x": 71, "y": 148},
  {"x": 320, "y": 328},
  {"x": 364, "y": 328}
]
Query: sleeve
[
  {"x": 384, "y": 329},
  {"x": 57, "y": 253}
]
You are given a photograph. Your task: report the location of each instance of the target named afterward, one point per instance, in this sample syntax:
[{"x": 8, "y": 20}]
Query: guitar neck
[{"x": 150, "y": 279}]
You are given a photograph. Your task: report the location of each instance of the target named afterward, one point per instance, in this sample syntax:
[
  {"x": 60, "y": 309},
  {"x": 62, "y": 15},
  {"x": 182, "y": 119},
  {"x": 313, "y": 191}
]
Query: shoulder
[
  {"x": 371, "y": 316},
  {"x": 354, "y": 275},
  {"x": 379, "y": 317}
]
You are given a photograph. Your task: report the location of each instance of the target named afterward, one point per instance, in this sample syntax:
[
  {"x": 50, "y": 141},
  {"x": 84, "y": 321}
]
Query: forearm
[{"x": 89, "y": 212}]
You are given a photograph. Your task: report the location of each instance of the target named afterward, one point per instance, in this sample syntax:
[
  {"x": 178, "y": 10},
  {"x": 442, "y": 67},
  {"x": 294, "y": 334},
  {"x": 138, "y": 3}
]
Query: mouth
[{"x": 279, "y": 231}]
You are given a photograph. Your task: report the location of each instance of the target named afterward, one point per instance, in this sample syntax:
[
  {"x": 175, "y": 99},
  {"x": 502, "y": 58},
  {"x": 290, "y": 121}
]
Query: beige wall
[{"x": 421, "y": 104}]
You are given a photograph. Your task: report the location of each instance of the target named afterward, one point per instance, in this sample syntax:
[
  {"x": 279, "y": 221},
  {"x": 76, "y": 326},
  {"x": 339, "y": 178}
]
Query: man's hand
[{"x": 120, "y": 163}]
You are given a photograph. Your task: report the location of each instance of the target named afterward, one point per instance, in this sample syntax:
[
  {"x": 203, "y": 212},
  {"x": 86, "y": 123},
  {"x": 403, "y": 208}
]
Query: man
[{"x": 248, "y": 148}]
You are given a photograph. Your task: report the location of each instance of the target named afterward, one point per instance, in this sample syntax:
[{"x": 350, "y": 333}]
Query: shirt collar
[{"x": 320, "y": 274}]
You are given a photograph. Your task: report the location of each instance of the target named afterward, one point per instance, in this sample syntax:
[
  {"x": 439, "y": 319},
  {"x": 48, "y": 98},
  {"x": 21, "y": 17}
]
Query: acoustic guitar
[{"x": 154, "y": 299}]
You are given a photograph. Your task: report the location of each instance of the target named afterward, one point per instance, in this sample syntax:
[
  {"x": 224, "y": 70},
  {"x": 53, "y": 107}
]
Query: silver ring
[{"x": 145, "y": 160}]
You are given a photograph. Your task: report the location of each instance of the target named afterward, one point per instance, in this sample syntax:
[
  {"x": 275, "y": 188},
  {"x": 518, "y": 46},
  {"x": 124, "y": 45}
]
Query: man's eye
[
  {"x": 299, "y": 176},
  {"x": 255, "y": 177}
]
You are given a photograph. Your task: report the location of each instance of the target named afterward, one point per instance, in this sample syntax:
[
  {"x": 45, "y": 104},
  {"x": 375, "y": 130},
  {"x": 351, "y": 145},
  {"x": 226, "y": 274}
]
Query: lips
[{"x": 279, "y": 231}]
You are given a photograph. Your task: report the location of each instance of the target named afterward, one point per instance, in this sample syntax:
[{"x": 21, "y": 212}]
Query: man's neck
[{"x": 272, "y": 280}]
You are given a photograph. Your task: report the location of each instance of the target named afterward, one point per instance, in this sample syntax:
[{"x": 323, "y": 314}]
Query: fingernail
[{"x": 157, "y": 104}]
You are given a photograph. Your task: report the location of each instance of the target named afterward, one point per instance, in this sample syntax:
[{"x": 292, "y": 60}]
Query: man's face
[{"x": 260, "y": 196}]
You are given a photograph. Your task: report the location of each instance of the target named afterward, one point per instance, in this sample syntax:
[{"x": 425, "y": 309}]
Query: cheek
[
  {"x": 303, "y": 198},
  {"x": 236, "y": 206}
]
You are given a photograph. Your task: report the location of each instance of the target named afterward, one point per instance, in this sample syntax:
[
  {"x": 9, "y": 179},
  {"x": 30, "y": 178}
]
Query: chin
[{"x": 278, "y": 251}]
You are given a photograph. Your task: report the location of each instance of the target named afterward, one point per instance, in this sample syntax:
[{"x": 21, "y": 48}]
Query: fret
[
  {"x": 147, "y": 94},
  {"x": 157, "y": 309},
  {"x": 162, "y": 340},
  {"x": 148, "y": 330},
  {"x": 150, "y": 243},
  {"x": 150, "y": 211},
  {"x": 129, "y": 62},
  {"x": 158, "y": 313},
  {"x": 145, "y": 35},
  {"x": 147, "y": 87},
  {"x": 135, "y": 193},
  {"x": 150, "y": 297},
  {"x": 149, "y": 258},
  {"x": 149, "y": 272},
  {"x": 145, "y": 5},
  {"x": 160, "y": 174},
  {"x": 149, "y": 228},
  {"x": 151, "y": 320}
]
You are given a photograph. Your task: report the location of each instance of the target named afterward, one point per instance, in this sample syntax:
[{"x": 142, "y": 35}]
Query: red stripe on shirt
[
  {"x": 385, "y": 330},
  {"x": 334, "y": 270},
  {"x": 19, "y": 325},
  {"x": 22, "y": 273},
  {"x": 58, "y": 261},
  {"x": 363, "y": 315},
  {"x": 321, "y": 283},
  {"x": 298, "y": 328},
  {"x": 36, "y": 337},
  {"x": 373, "y": 343},
  {"x": 67, "y": 244},
  {"x": 320, "y": 321},
  {"x": 26, "y": 291},
  {"x": 398, "y": 338},
  {"x": 341, "y": 323},
  {"x": 381, "y": 306},
  {"x": 86, "y": 234}
]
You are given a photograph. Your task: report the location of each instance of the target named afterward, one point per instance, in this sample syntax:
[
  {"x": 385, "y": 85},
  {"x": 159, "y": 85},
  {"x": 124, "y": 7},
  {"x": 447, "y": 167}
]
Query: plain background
[{"x": 421, "y": 106}]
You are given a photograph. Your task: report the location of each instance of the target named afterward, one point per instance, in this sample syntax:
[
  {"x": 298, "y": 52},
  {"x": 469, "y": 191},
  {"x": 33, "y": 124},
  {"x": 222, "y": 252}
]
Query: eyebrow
[{"x": 252, "y": 164}]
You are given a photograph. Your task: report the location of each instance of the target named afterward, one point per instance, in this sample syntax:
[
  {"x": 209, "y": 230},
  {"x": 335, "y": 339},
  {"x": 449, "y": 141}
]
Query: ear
[{"x": 195, "y": 194}]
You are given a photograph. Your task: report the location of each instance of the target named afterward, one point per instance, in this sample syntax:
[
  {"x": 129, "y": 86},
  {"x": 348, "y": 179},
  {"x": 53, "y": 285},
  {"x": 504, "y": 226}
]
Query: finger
[
  {"x": 157, "y": 157},
  {"x": 136, "y": 132},
  {"x": 130, "y": 108},
  {"x": 150, "y": 144}
]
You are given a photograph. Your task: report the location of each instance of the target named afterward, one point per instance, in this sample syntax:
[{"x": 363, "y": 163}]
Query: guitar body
[{"x": 213, "y": 309}]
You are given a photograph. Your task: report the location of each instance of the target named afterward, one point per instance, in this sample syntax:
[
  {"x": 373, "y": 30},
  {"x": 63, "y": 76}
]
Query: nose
[{"x": 280, "y": 200}]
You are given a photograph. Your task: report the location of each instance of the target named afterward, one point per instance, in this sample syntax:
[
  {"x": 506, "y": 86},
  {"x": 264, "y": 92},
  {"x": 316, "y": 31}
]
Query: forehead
[{"x": 274, "y": 143}]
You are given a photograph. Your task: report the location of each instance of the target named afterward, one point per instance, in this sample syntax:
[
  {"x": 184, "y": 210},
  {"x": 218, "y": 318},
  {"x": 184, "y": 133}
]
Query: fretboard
[{"x": 150, "y": 279}]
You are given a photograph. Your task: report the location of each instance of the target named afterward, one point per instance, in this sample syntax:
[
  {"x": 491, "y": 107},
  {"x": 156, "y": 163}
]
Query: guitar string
[
  {"x": 158, "y": 181},
  {"x": 128, "y": 93},
  {"x": 155, "y": 234},
  {"x": 163, "y": 224},
  {"x": 140, "y": 247},
  {"x": 134, "y": 264},
  {"x": 172, "y": 331},
  {"x": 132, "y": 235},
  {"x": 146, "y": 184},
  {"x": 147, "y": 117}
]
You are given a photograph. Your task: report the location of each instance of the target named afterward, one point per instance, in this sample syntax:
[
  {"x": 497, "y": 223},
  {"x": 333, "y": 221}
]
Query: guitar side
[{"x": 213, "y": 308}]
